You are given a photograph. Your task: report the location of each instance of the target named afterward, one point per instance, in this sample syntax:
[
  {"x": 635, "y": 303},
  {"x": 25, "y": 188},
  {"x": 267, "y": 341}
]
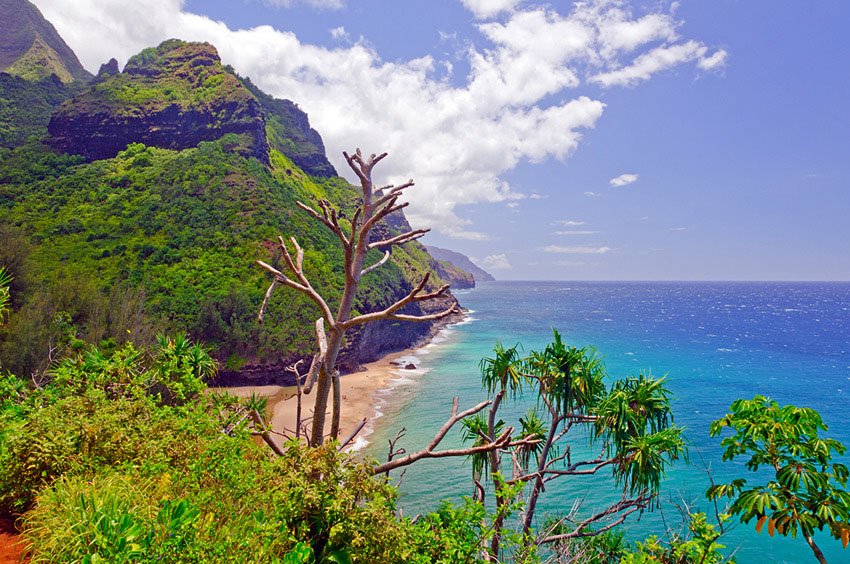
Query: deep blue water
[{"x": 715, "y": 342}]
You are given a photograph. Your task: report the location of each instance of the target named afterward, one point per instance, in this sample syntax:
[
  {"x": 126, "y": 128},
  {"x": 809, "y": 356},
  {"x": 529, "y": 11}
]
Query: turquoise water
[{"x": 716, "y": 342}]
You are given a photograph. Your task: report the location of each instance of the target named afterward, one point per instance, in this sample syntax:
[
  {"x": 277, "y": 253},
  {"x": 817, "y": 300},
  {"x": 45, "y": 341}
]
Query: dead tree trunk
[{"x": 354, "y": 238}]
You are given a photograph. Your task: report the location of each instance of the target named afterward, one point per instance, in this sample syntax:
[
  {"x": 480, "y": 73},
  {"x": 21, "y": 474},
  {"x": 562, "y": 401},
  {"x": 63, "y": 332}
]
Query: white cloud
[
  {"x": 623, "y": 180},
  {"x": 536, "y": 196},
  {"x": 571, "y": 233},
  {"x": 517, "y": 103},
  {"x": 659, "y": 59},
  {"x": 678, "y": 229},
  {"x": 321, "y": 4},
  {"x": 570, "y": 263},
  {"x": 494, "y": 262},
  {"x": 569, "y": 223},
  {"x": 339, "y": 33},
  {"x": 715, "y": 61},
  {"x": 483, "y": 9},
  {"x": 558, "y": 249},
  {"x": 590, "y": 194}
]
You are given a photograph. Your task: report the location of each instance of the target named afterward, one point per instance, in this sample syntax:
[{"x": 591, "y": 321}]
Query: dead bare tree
[{"x": 354, "y": 238}]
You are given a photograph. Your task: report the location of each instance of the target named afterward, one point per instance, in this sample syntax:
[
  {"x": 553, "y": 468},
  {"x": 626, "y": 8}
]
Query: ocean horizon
[{"x": 714, "y": 341}]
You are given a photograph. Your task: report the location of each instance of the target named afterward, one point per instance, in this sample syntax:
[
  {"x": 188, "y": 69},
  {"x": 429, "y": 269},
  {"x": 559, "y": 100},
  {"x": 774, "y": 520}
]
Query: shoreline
[{"x": 358, "y": 390}]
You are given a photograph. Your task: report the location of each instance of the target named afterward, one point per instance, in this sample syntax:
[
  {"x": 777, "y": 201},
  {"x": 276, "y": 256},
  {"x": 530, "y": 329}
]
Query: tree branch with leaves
[{"x": 807, "y": 492}]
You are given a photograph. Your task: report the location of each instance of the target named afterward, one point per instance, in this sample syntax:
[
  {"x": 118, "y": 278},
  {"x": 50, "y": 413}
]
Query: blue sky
[{"x": 607, "y": 140}]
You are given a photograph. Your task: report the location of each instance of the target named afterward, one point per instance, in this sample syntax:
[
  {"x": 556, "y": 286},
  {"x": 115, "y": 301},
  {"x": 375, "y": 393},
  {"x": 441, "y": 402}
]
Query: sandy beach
[{"x": 358, "y": 391}]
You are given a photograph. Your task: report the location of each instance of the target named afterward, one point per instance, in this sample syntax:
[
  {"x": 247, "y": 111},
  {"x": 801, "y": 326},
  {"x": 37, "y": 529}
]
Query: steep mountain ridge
[{"x": 30, "y": 47}]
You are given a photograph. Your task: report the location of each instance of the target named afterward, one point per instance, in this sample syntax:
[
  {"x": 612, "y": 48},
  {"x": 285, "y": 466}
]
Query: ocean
[{"x": 715, "y": 342}]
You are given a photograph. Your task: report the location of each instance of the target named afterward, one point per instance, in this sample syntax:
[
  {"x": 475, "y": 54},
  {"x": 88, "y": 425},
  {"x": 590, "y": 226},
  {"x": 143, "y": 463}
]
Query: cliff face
[
  {"x": 31, "y": 48},
  {"x": 461, "y": 261},
  {"x": 289, "y": 131},
  {"x": 456, "y": 276},
  {"x": 173, "y": 96}
]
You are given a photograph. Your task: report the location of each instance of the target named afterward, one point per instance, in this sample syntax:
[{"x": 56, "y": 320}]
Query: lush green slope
[
  {"x": 159, "y": 239},
  {"x": 165, "y": 238},
  {"x": 25, "y": 106}
]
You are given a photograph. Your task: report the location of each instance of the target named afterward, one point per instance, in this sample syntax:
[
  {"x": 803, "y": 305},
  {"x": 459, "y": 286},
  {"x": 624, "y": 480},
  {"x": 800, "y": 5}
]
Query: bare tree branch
[
  {"x": 266, "y": 299},
  {"x": 625, "y": 508},
  {"x": 353, "y": 434},
  {"x": 392, "y": 192},
  {"x": 318, "y": 358},
  {"x": 304, "y": 287},
  {"x": 412, "y": 296},
  {"x": 400, "y": 239},
  {"x": 377, "y": 265},
  {"x": 263, "y": 432},
  {"x": 502, "y": 441},
  {"x": 429, "y": 317}
]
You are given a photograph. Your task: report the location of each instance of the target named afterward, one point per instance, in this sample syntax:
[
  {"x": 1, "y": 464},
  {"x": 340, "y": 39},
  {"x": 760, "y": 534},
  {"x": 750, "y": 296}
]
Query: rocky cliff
[
  {"x": 289, "y": 131},
  {"x": 454, "y": 275},
  {"x": 461, "y": 261},
  {"x": 172, "y": 96}
]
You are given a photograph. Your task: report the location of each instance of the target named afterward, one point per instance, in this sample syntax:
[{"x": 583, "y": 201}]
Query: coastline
[{"x": 359, "y": 390}]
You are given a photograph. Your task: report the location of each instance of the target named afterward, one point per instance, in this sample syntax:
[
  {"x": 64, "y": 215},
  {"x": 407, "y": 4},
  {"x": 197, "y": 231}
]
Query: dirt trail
[{"x": 11, "y": 550}]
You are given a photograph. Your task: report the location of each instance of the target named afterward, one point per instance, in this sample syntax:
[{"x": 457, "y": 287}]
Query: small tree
[
  {"x": 354, "y": 237},
  {"x": 807, "y": 491}
]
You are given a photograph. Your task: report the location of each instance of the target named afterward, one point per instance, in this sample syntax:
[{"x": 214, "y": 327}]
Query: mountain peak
[
  {"x": 173, "y": 96},
  {"x": 30, "y": 47}
]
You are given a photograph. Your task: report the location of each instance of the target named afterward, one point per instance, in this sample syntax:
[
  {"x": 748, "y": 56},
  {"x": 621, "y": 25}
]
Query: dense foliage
[
  {"x": 119, "y": 458},
  {"x": 807, "y": 491},
  {"x": 25, "y": 107},
  {"x": 158, "y": 240}
]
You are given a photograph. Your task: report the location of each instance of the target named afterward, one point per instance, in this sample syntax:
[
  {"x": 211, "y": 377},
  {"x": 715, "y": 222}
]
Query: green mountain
[
  {"x": 115, "y": 231},
  {"x": 31, "y": 48}
]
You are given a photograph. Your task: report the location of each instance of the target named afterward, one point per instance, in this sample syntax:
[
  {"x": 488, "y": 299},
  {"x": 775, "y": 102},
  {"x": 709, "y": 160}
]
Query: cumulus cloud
[
  {"x": 494, "y": 262},
  {"x": 659, "y": 59},
  {"x": 519, "y": 101},
  {"x": 558, "y": 249},
  {"x": 591, "y": 194},
  {"x": 623, "y": 180},
  {"x": 569, "y": 223},
  {"x": 483, "y": 9}
]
